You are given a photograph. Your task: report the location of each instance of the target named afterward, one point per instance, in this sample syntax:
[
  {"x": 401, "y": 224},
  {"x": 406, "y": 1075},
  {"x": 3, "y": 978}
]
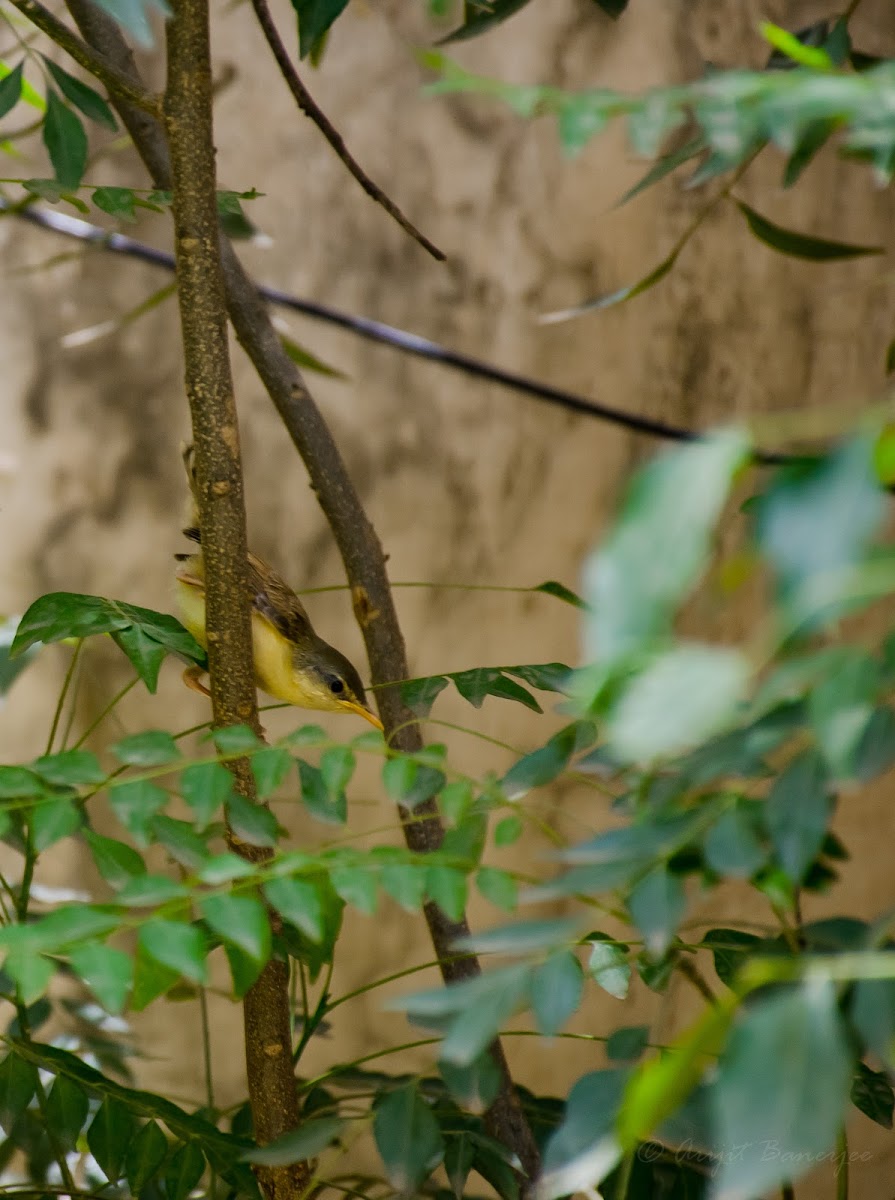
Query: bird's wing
[{"x": 274, "y": 600}]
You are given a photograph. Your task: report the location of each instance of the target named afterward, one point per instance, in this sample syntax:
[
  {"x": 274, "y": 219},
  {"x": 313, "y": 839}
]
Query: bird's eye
[{"x": 336, "y": 686}]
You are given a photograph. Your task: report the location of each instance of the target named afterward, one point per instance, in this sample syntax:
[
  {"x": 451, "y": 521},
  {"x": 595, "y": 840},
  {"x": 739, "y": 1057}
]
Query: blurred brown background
[{"x": 466, "y": 483}]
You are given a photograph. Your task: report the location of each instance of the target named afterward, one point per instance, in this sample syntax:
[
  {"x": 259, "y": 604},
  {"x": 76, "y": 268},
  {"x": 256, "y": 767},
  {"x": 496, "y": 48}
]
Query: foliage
[{"x": 725, "y": 763}]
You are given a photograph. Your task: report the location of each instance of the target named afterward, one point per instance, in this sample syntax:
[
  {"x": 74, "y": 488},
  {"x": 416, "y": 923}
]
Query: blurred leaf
[
  {"x": 407, "y": 1137},
  {"x": 357, "y": 885},
  {"x": 800, "y": 245},
  {"x": 523, "y": 937},
  {"x": 732, "y": 845},
  {"x": 482, "y": 15},
  {"x": 578, "y": 1154},
  {"x": 147, "y": 891},
  {"x": 18, "y": 1083},
  {"x": 797, "y": 812},
  {"x": 145, "y": 1155},
  {"x": 270, "y": 767},
  {"x": 118, "y": 202},
  {"x": 659, "y": 546},
  {"x": 308, "y": 361},
  {"x": 176, "y": 945},
  {"x": 657, "y": 903},
  {"x": 474, "y": 1087},
  {"x": 298, "y": 1145},
  {"x": 236, "y": 739},
  {"x": 84, "y": 98},
  {"x": 612, "y": 8},
  {"x": 664, "y": 167},
  {"x": 241, "y": 921},
  {"x": 873, "y": 1014},
  {"x": 841, "y": 707},
  {"x": 508, "y": 831},
  {"x": 66, "y": 142},
  {"x": 70, "y": 768},
  {"x": 420, "y": 694},
  {"x": 871, "y": 1092},
  {"x": 627, "y": 1044},
  {"x": 542, "y": 766},
  {"x": 410, "y": 784},
  {"x": 133, "y": 17},
  {"x": 447, "y": 887},
  {"x": 548, "y": 677},
  {"x": 812, "y": 140},
  {"x": 315, "y": 17},
  {"x": 205, "y": 787},
  {"x": 253, "y": 823},
  {"x": 730, "y": 949},
  {"x": 299, "y": 902},
  {"x": 497, "y": 886},
  {"x": 783, "y": 1081},
  {"x": 320, "y": 801},
  {"x": 480, "y": 682},
  {"x": 183, "y": 1171},
  {"x": 152, "y": 748},
  {"x": 180, "y": 840},
  {"x": 109, "y": 1136},
  {"x": 11, "y": 89},
  {"x": 609, "y": 299},
  {"x": 66, "y": 1111},
  {"x": 795, "y": 49},
  {"x": 556, "y": 990},
  {"x": 608, "y": 965},
  {"x": 52, "y": 822},
  {"x": 109, "y": 973},
  {"x": 683, "y": 697},
  {"x": 561, "y": 592}
]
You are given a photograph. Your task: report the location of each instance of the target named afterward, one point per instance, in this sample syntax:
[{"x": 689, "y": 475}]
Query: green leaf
[
  {"x": 480, "y": 17},
  {"x": 64, "y": 927},
  {"x": 627, "y": 1044},
  {"x": 31, "y": 972},
  {"x": 873, "y": 1015},
  {"x": 408, "y": 783},
  {"x": 66, "y": 1111},
  {"x": 145, "y": 1155},
  {"x": 66, "y": 142},
  {"x": 84, "y": 98},
  {"x": 133, "y": 17},
  {"x": 497, "y": 886},
  {"x": 151, "y": 980},
  {"x": 154, "y": 748},
  {"x": 184, "y": 1170},
  {"x": 241, "y": 921},
  {"x": 783, "y": 1082},
  {"x": 298, "y": 1145},
  {"x": 663, "y": 167},
  {"x": 790, "y": 45},
  {"x": 556, "y": 990},
  {"x": 571, "y": 1158},
  {"x": 148, "y": 891},
  {"x": 799, "y": 245},
  {"x": 61, "y": 615},
  {"x": 109, "y": 1137},
  {"x": 659, "y": 546},
  {"x": 404, "y": 882},
  {"x": 730, "y": 949},
  {"x": 118, "y": 202},
  {"x": 841, "y": 707},
  {"x": 181, "y": 841},
  {"x": 176, "y": 945},
  {"x": 542, "y": 766},
  {"x": 552, "y": 588},
  {"x": 682, "y": 698},
  {"x": 109, "y": 973},
  {"x": 612, "y": 8},
  {"x": 459, "y": 1153},
  {"x": 797, "y": 812},
  {"x": 608, "y": 965},
  {"x": 307, "y": 361},
  {"x": 315, "y": 17},
  {"x": 18, "y": 1083},
  {"x": 135, "y": 803},
  {"x": 253, "y": 823},
  {"x": 508, "y": 831},
  {"x": 11, "y": 89},
  {"x": 53, "y": 821},
  {"x": 17, "y": 783},
  {"x": 733, "y": 845},
  {"x": 337, "y": 766},
  {"x": 446, "y": 887},
  {"x": 69, "y": 768},
  {"x": 610, "y": 299},
  {"x": 270, "y": 768},
  {"x": 453, "y": 803},
  {"x": 657, "y": 903},
  {"x": 357, "y": 885},
  {"x": 420, "y": 694},
  {"x": 224, "y": 868},
  {"x": 407, "y": 1137},
  {"x": 205, "y": 787},
  {"x": 522, "y": 937},
  {"x": 319, "y": 800},
  {"x": 475, "y": 1087},
  {"x": 299, "y": 902},
  {"x": 872, "y": 1093},
  {"x": 236, "y": 739}
]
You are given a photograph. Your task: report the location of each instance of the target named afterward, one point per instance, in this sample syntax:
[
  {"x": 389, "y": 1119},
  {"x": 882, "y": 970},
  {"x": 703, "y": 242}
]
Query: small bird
[{"x": 291, "y": 662}]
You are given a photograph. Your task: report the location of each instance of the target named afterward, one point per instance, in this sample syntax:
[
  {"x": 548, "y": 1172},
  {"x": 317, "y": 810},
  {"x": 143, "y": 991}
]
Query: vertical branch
[{"x": 209, "y": 385}]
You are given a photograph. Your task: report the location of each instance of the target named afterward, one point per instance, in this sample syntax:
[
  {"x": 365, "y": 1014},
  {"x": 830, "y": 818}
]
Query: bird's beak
[{"x": 366, "y": 714}]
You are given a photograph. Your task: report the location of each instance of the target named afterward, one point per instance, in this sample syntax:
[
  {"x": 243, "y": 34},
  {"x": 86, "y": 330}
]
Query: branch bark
[
  {"x": 209, "y": 385},
  {"x": 358, "y": 545}
]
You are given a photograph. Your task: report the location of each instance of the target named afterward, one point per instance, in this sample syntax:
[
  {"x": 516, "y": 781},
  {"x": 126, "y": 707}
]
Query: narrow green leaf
[
  {"x": 552, "y": 588},
  {"x": 109, "y": 973},
  {"x": 183, "y": 1171},
  {"x": 800, "y": 245},
  {"x": 84, "y": 98},
  {"x": 307, "y": 361},
  {"x": 609, "y": 299},
  {"x": 798, "y": 811},
  {"x": 148, "y": 891},
  {"x": 479, "y": 18},
  {"x": 66, "y": 142},
  {"x": 299, "y": 1145},
  {"x": 109, "y": 1136},
  {"x": 11, "y": 89},
  {"x": 508, "y": 831},
  {"x": 18, "y": 1083},
  {"x": 542, "y": 766},
  {"x": 176, "y": 945},
  {"x": 66, "y": 1111},
  {"x": 475, "y": 1087},
  {"x": 788, "y": 44},
  {"x": 663, "y": 167},
  {"x": 407, "y": 1137},
  {"x": 145, "y": 1155}
]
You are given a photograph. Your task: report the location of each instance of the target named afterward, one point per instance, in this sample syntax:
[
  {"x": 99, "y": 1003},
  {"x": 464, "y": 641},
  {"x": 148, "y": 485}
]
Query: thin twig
[
  {"x": 118, "y": 82},
  {"x": 308, "y": 105}
]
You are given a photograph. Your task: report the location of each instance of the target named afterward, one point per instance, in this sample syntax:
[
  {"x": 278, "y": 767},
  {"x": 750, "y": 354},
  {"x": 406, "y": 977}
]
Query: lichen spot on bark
[
  {"x": 273, "y": 1049},
  {"x": 363, "y": 608}
]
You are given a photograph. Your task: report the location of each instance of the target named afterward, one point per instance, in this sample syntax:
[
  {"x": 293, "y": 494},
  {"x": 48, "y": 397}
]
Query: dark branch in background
[
  {"x": 358, "y": 546},
  {"x": 398, "y": 339},
  {"x": 309, "y": 107},
  {"x": 219, "y": 493},
  {"x": 119, "y": 82}
]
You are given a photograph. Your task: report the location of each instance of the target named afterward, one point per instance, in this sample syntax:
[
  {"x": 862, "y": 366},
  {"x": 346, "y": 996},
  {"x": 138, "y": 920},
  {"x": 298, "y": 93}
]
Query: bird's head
[{"x": 329, "y": 682}]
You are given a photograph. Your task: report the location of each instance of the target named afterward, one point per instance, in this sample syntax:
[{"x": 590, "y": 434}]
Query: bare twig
[
  {"x": 119, "y": 82},
  {"x": 357, "y": 542},
  {"x": 209, "y": 385},
  {"x": 308, "y": 105}
]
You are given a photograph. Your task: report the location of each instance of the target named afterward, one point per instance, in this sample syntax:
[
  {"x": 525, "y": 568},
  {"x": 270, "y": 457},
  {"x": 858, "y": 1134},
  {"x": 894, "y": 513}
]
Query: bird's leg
[{"x": 191, "y": 677}]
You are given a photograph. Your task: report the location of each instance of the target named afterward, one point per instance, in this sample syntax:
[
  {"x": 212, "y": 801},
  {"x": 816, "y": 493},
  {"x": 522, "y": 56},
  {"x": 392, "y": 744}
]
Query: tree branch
[
  {"x": 364, "y": 564},
  {"x": 209, "y": 385},
  {"x": 121, "y": 84},
  {"x": 311, "y": 109}
]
